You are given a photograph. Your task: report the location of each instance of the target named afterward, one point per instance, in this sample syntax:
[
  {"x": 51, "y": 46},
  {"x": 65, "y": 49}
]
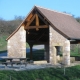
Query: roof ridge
[{"x": 54, "y": 10}]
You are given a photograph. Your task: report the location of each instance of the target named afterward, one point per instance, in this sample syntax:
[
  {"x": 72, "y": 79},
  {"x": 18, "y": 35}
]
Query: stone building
[{"x": 43, "y": 26}]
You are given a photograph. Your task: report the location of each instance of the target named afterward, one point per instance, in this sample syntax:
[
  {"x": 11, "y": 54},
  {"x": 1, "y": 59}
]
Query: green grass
[
  {"x": 75, "y": 52},
  {"x": 27, "y": 45},
  {"x": 3, "y": 43},
  {"x": 3, "y": 51},
  {"x": 72, "y": 73}
]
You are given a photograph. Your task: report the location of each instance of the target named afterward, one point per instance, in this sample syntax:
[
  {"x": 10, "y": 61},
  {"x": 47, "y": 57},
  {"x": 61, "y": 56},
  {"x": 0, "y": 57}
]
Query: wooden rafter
[
  {"x": 37, "y": 25},
  {"x": 43, "y": 19},
  {"x": 31, "y": 20},
  {"x": 34, "y": 27},
  {"x": 29, "y": 17}
]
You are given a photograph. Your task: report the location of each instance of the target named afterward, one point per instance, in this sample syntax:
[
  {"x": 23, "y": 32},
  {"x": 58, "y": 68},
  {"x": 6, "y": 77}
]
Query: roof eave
[
  {"x": 20, "y": 24},
  {"x": 74, "y": 38},
  {"x": 53, "y": 25}
]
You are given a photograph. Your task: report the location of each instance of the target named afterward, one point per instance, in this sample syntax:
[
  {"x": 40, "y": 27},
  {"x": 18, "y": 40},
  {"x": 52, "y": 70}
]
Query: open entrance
[
  {"x": 37, "y": 33},
  {"x": 59, "y": 53},
  {"x": 75, "y": 50},
  {"x": 38, "y": 53},
  {"x": 38, "y": 44}
]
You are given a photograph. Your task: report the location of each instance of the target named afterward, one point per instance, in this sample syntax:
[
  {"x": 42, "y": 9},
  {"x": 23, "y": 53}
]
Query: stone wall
[
  {"x": 16, "y": 45},
  {"x": 56, "y": 39}
]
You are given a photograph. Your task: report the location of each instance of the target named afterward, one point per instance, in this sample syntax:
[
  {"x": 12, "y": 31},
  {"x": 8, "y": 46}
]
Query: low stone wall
[
  {"x": 72, "y": 59},
  {"x": 60, "y": 59},
  {"x": 40, "y": 62}
]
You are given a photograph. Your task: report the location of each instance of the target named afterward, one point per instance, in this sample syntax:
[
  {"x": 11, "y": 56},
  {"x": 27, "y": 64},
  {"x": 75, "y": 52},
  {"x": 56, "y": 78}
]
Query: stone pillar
[
  {"x": 66, "y": 53},
  {"x": 52, "y": 55},
  {"x": 23, "y": 42},
  {"x": 46, "y": 52}
]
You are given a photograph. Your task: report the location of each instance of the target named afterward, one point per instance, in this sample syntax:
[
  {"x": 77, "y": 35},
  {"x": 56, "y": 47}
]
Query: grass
[
  {"x": 72, "y": 73},
  {"x": 3, "y": 51},
  {"x": 27, "y": 45},
  {"x": 75, "y": 52},
  {"x": 3, "y": 43}
]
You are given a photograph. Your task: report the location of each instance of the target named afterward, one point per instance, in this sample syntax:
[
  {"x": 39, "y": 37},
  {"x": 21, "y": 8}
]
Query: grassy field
[
  {"x": 75, "y": 52},
  {"x": 72, "y": 73},
  {"x": 3, "y": 43}
]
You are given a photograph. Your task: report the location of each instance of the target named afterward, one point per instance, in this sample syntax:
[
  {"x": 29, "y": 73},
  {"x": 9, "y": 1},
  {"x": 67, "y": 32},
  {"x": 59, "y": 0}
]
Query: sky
[{"x": 11, "y": 8}]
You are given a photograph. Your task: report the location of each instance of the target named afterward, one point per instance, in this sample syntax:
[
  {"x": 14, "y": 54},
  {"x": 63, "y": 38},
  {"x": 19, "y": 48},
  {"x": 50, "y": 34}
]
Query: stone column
[
  {"x": 66, "y": 53},
  {"x": 46, "y": 52},
  {"x": 52, "y": 55},
  {"x": 23, "y": 42}
]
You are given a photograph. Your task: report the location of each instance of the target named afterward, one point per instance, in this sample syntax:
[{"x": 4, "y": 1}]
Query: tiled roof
[{"x": 63, "y": 22}]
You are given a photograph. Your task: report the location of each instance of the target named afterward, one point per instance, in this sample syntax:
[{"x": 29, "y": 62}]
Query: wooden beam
[
  {"x": 29, "y": 17},
  {"x": 30, "y": 20},
  {"x": 34, "y": 27},
  {"x": 37, "y": 20},
  {"x": 74, "y": 42},
  {"x": 42, "y": 18},
  {"x": 39, "y": 42}
]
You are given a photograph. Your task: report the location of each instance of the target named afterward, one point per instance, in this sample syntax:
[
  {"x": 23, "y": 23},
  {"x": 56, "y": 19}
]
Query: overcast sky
[{"x": 11, "y": 8}]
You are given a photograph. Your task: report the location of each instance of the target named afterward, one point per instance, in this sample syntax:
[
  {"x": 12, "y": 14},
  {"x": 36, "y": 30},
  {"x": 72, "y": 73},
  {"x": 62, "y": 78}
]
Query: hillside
[{"x": 7, "y": 27}]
